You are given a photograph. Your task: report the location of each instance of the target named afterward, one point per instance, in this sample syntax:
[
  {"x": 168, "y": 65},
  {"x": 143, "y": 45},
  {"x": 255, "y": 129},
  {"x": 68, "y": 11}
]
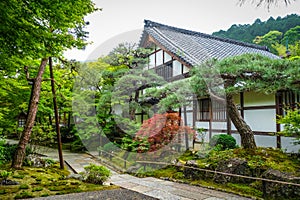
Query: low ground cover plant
[{"x": 41, "y": 182}]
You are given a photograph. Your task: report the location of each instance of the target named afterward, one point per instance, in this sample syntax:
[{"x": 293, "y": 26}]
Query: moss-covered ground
[
  {"x": 41, "y": 182},
  {"x": 259, "y": 159}
]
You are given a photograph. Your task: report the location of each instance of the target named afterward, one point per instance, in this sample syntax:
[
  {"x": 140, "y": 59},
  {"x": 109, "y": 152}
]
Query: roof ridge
[{"x": 149, "y": 23}]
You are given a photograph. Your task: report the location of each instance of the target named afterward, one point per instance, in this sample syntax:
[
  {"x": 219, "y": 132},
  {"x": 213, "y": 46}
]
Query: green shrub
[
  {"x": 291, "y": 122},
  {"x": 9, "y": 151},
  {"x": 2, "y": 150},
  {"x": 5, "y": 174},
  {"x": 95, "y": 174},
  {"x": 223, "y": 141}
]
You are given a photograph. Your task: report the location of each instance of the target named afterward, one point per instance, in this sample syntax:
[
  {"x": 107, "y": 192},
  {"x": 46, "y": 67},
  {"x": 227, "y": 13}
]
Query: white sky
[{"x": 123, "y": 20}]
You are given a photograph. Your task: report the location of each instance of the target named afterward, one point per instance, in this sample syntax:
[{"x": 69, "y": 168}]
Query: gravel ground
[{"x": 115, "y": 194}]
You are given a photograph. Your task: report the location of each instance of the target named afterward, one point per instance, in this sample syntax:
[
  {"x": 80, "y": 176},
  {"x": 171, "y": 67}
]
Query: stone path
[{"x": 149, "y": 186}]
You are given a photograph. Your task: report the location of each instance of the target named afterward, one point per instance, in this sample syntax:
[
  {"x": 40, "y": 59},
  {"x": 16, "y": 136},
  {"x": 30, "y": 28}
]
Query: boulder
[
  {"x": 36, "y": 161},
  {"x": 274, "y": 190},
  {"x": 133, "y": 169},
  {"x": 9, "y": 182},
  {"x": 194, "y": 174},
  {"x": 75, "y": 176},
  {"x": 232, "y": 166}
]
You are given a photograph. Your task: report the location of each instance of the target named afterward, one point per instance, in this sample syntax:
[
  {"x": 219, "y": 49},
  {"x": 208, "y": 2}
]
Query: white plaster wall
[
  {"x": 159, "y": 58},
  {"x": 167, "y": 57},
  {"x": 261, "y": 120},
  {"x": 176, "y": 68},
  {"x": 219, "y": 125},
  {"x": 265, "y": 141},
  {"x": 185, "y": 69},
  {"x": 189, "y": 117},
  {"x": 258, "y": 99},
  {"x": 270, "y": 141},
  {"x": 202, "y": 125},
  {"x": 288, "y": 146}
]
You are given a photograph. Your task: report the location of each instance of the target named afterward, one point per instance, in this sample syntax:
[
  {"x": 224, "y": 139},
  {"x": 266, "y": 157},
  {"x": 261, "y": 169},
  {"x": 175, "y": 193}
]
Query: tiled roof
[{"x": 195, "y": 47}]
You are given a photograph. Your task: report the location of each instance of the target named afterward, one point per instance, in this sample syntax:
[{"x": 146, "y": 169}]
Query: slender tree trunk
[
  {"x": 20, "y": 152},
  {"x": 61, "y": 159},
  {"x": 247, "y": 136}
]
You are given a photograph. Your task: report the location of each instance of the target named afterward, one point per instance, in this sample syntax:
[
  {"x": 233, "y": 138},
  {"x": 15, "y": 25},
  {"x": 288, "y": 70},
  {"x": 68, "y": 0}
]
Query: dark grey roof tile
[{"x": 194, "y": 47}]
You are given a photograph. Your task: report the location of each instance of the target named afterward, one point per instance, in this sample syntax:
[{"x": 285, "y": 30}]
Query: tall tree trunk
[
  {"x": 20, "y": 152},
  {"x": 60, "y": 155},
  {"x": 247, "y": 136}
]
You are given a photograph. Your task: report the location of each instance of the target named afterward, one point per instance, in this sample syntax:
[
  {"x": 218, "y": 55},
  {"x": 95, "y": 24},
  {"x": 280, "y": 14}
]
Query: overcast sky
[{"x": 123, "y": 20}]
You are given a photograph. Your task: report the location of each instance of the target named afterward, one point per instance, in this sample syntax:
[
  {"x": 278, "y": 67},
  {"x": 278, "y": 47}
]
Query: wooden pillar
[
  {"x": 210, "y": 118},
  {"x": 242, "y": 103},
  {"x": 278, "y": 102},
  {"x": 195, "y": 110},
  {"x": 185, "y": 124}
]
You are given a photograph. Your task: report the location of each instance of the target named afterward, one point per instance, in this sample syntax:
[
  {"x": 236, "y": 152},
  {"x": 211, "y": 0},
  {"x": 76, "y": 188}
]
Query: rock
[
  {"x": 9, "y": 182},
  {"x": 233, "y": 166},
  {"x": 201, "y": 155},
  {"x": 281, "y": 191},
  {"x": 75, "y": 176},
  {"x": 179, "y": 164},
  {"x": 191, "y": 172},
  {"x": 36, "y": 161},
  {"x": 134, "y": 168},
  {"x": 191, "y": 163}
]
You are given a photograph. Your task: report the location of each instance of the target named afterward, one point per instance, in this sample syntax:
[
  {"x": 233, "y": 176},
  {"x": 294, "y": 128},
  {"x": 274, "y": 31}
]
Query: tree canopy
[
  {"x": 31, "y": 32},
  {"x": 248, "y": 32}
]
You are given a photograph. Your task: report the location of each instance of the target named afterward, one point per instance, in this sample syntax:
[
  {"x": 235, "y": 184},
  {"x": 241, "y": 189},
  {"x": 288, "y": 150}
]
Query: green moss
[
  {"x": 259, "y": 160},
  {"x": 39, "y": 180},
  {"x": 45, "y": 195},
  {"x": 37, "y": 189},
  {"x": 24, "y": 195},
  {"x": 55, "y": 188},
  {"x": 2, "y": 191},
  {"x": 75, "y": 183},
  {"x": 23, "y": 187},
  {"x": 18, "y": 176},
  {"x": 245, "y": 189},
  {"x": 188, "y": 155}
]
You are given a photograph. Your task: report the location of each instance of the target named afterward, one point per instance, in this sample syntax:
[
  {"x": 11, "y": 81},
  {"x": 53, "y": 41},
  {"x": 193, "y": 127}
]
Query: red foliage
[{"x": 161, "y": 129}]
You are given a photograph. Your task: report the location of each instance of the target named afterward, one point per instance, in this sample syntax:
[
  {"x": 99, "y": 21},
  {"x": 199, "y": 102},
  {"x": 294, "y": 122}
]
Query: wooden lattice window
[
  {"x": 21, "y": 122},
  {"x": 165, "y": 71},
  {"x": 203, "y": 111},
  {"x": 219, "y": 111},
  {"x": 287, "y": 99},
  {"x": 208, "y": 110}
]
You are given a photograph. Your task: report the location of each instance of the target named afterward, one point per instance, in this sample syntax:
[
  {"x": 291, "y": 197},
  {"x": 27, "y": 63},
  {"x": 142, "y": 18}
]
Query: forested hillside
[{"x": 248, "y": 33}]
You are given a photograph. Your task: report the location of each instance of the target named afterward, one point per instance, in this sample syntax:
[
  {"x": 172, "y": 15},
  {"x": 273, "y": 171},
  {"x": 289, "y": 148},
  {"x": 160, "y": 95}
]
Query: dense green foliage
[
  {"x": 247, "y": 32},
  {"x": 7, "y": 152},
  {"x": 223, "y": 141},
  {"x": 249, "y": 72},
  {"x": 291, "y": 122}
]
